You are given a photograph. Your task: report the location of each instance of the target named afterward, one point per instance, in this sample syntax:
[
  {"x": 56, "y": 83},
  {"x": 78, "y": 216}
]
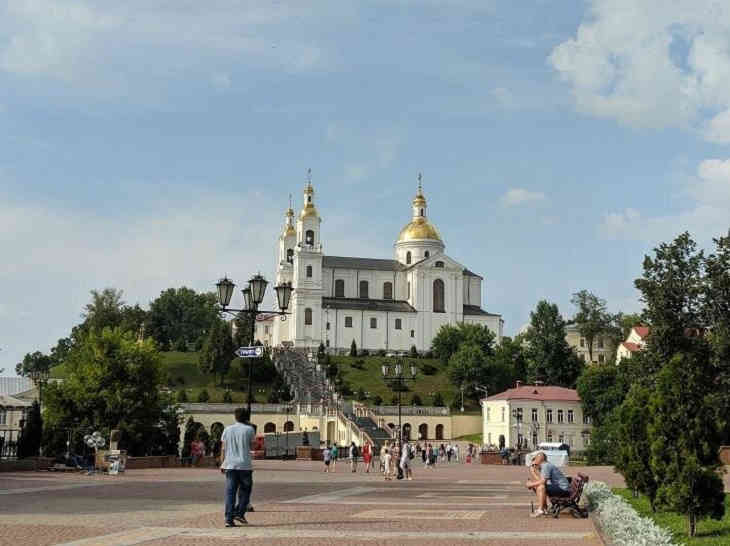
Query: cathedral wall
[
  {"x": 352, "y": 278},
  {"x": 383, "y": 336}
]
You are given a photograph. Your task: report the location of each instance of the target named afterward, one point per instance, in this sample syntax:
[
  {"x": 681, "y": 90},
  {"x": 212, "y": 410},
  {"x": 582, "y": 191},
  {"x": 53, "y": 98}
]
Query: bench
[{"x": 558, "y": 504}]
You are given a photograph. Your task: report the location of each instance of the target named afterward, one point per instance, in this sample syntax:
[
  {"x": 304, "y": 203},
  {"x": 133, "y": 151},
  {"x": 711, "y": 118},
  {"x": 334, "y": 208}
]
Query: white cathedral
[{"x": 381, "y": 304}]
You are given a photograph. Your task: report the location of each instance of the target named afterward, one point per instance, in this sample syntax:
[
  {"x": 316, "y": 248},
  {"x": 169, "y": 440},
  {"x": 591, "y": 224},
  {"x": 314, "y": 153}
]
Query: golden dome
[
  {"x": 420, "y": 228},
  {"x": 307, "y": 211},
  {"x": 290, "y": 231}
]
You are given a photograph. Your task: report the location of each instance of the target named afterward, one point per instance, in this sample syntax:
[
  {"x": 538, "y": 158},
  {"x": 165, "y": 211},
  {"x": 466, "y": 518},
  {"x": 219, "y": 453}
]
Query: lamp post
[
  {"x": 40, "y": 376},
  {"x": 253, "y": 296},
  {"x": 396, "y": 378}
]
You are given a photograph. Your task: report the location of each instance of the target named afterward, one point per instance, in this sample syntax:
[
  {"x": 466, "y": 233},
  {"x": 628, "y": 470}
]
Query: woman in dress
[{"x": 367, "y": 456}]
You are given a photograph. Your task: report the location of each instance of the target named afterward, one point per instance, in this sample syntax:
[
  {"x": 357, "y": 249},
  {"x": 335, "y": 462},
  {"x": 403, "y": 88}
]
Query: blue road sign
[{"x": 250, "y": 352}]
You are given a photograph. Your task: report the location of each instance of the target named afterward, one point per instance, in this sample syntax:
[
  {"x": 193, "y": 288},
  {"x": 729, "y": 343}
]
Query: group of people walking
[{"x": 331, "y": 454}]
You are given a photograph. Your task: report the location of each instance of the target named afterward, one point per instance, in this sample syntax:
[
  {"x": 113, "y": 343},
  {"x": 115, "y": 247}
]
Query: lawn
[
  {"x": 709, "y": 532},
  {"x": 184, "y": 373},
  {"x": 472, "y": 438},
  {"x": 370, "y": 378}
]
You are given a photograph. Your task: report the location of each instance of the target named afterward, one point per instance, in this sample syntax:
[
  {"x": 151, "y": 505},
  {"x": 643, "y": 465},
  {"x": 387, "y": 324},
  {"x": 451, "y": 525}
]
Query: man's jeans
[{"x": 238, "y": 487}]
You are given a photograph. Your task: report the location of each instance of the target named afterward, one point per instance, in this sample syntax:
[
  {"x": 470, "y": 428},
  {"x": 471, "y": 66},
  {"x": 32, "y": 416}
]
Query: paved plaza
[{"x": 296, "y": 503}]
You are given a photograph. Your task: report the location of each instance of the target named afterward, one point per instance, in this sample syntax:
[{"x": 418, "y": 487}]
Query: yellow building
[
  {"x": 601, "y": 347},
  {"x": 530, "y": 414}
]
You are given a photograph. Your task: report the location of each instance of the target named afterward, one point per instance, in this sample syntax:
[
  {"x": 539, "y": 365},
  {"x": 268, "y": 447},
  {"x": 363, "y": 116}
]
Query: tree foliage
[
  {"x": 113, "y": 381},
  {"x": 29, "y": 442},
  {"x": 592, "y": 317},
  {"x": 179, "y": 316},
  {"x": 34, "y": 362},
  {"x": 451, "y": 337},
  {"x": 549, "y": 357},
  {"x": 218, "y": 350}
]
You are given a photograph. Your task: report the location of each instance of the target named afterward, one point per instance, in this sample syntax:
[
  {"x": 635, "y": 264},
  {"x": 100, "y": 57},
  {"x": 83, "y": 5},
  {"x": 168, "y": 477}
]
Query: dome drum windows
[
  {"x": 290, "y": 255},
  {"x": 409, "y": 257},
  {"x": 309, "y": 237}
]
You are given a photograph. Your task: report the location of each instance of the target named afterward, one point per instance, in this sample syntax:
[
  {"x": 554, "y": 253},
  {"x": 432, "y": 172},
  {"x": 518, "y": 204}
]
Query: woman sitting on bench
[{"x": 546, "y": 480}]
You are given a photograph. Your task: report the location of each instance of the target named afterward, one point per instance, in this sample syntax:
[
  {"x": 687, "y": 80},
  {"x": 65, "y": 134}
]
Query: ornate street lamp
[
  {"x": 397, "y": 379},
  {"x": 253, "y": 296}
]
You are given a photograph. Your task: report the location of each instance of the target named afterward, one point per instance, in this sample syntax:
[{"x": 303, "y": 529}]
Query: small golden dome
[
  {"x": 420, "y": 228},
  {"x": 307, "y": 211},
  {"x": 290, "y": 231}
]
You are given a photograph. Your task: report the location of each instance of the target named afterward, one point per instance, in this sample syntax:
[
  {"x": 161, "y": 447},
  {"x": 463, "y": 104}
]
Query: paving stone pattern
[{"x": 296, "y": 503}]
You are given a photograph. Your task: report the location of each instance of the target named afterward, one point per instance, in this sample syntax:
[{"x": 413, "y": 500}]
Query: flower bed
[{"x": 620, "y": 522}]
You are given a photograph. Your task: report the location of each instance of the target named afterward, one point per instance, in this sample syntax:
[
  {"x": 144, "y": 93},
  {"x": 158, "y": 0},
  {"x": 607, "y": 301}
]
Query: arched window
[
  {"x": 388, "y": 291},
  {"x": 408, "y": 257},
  {"x": 438, "y": 296},
  {"x": 439, "y": 264},
  {"x": 373, "y": 323},
  {"x": 309, "y": 237},
  {"x": 423, "y": 431},
  {"x": 421, "y": 212},
  {"x": 309, "y": 271},
  {"x": 407, "y": 432},
  {"x": 364, "y": 289},
  {"x": 426, "y": 254},
  {"x": 288, "y": 426},
  {"x": 340, "y": 288},
  {"x": 290, "y": 255},
  {"x": 398, "y": 324},
  {"x": 307, "y": 317},
  {"x": 269, "y": 427},
  {"x": 439, "y": 432}
]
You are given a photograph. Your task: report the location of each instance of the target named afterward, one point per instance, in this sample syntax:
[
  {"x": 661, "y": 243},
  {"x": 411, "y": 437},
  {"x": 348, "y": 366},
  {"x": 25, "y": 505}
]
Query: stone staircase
[{"x": 377, "y": 434}]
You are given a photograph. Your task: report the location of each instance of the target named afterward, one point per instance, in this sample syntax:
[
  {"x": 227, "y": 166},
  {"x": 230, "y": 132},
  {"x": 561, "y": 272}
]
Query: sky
[{"x": 154, "y": 144}]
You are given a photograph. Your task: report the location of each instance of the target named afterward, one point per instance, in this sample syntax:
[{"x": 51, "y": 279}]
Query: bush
[
  {"x": 353, "y": 349},
  {"x": 203, "y": 396},
  {"x": 382, "y": 352},
  {"x": 180, "y": 345},
  {"x": 227, "y": 398},
  {"x": 414, "y": 352},
  {"x": 364, "y": 352},
  {"x": 377, "y": 400},
  {"x": 361, "y": 396},
  {"x": 358, "y": 364},
  {"x": 416, "y": 400},
  {"x": 180, "y": 380},
  {"x": 428, "y": 354},
  {"x": 182, "y": 396},
  {"x": 429, "y": 369},
  {"x": 345, "y": 389},
  {"x": 438, "y": 400}
]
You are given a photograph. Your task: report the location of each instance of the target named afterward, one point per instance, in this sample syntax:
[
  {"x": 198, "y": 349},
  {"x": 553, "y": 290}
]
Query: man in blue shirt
[
  {"x": 236, "y": 448},
  {"x": 547, "y": 481}
]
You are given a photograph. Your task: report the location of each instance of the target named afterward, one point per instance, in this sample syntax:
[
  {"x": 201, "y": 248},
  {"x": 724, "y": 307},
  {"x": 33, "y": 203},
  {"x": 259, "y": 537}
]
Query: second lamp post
[{"x": 396, "y": 377}]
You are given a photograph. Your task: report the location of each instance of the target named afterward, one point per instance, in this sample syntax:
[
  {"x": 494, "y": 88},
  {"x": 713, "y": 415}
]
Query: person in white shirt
[
  {"x": 236, "y": 448},
  {"x": 405, "y": 462},
  {"x": 387, "y": 465}
]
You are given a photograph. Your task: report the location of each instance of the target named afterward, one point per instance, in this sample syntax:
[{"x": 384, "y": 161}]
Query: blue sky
[{"x": 154, "y": 144}]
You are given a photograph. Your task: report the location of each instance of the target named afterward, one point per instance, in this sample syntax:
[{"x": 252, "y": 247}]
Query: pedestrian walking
[
  {"x": 383, "y": 451},
  {"x": 236, "y": 444},
  {"x": 405, "y": 462},
  {"x": 387, "y": 465},
  {"x": 367, "y": 456},
  {"x": 327, "y": 458},
  {"x": 353, "y": 456},
  {"x": 334, "y": 454}
]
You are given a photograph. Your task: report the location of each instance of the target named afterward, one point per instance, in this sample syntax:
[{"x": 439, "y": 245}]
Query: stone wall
[{"x": 31, "y": 463}]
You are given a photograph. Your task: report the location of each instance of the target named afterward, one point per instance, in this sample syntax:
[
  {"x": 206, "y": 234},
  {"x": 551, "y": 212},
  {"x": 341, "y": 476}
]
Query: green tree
[
  {"x": 243, "y": 326},
  {"x": 470, "y": 367},
  {"x": 34, "y": 362},
  {"x": 550, "y": 359},
  {"x": 203, "y": 396},
  {"x": 106, "y": 310},
  {"x": 227, "y": 398},
  {"x": 113, "y": 381},
  {"x": 601, "y": 389},
  {"x": 450, "y": 338},
  {"x": 633, "y": 452},
  {"x": 672, "y": 288},
  {"x": 510, "y": 355},
  {"x": 592, "y": 318},
  {"x": 416, "y": 400},
  {"x": 180, "y": 316},
  {"x": 353, "y": 349},
  {"x": 376, "y": 400},
  {"x": 30, "y": 436},
  {"x": 438, "y": 400},
  {"x": 685, "y": 438},
  {"x": 361, "y": 396},
  {"x": 217, "y": 353},
  {"x": 182, "y": 396}
]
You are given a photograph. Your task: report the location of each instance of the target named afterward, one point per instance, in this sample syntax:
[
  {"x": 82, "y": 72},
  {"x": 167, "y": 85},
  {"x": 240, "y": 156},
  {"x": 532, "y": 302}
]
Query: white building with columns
[{"x": 379, "y": 303}]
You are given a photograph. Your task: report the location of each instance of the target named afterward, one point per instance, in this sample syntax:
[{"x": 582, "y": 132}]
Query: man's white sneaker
[{"x": 537, "y": 513}]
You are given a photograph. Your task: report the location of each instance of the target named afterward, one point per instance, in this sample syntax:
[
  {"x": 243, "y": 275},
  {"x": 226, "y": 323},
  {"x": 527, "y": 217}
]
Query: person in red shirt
[
  {"x": 367, "y": 456},
  {"x": 197, "y": 451}
]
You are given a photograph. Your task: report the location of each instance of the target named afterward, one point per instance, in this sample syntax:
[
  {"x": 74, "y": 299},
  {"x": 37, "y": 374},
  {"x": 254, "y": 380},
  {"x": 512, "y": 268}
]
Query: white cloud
[
  {"x": 706, "y": 216},
  {"x": 89, "y": 40},
  {"x": 504, "y": 97},
  {"x": 652, "y": 63},
  {"x": 520, "y": 196}
]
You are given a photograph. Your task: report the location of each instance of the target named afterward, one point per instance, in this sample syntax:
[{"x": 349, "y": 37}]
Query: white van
[{"x": 557, "y": 453}]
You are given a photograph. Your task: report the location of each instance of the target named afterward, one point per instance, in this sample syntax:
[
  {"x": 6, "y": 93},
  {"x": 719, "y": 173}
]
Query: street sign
[{"x": 250, "y": 352}]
